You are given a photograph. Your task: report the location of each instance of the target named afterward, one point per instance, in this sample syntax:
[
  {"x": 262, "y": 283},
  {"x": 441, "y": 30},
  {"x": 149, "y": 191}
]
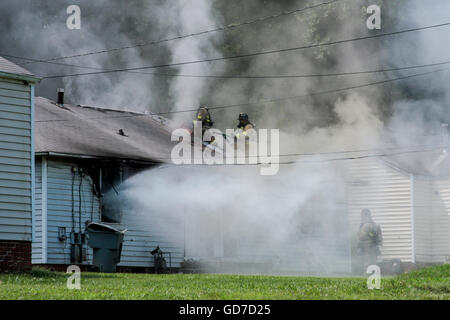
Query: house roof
[
  {"x": 90, "y": 131},
  {"x": 11, "y": 70}
]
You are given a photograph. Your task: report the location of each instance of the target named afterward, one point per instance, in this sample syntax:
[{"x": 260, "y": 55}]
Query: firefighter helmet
[
  {"x": 243, "y": 116},
  {"x": 366, "y": 212}
]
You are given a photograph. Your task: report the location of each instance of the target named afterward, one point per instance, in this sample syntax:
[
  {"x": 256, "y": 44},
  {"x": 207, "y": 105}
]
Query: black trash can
[{"x": 106, "y": 242}]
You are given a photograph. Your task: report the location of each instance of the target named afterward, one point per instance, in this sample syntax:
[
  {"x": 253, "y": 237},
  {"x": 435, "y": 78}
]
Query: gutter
[
  {"x": 81, "y": 156},
  {"x": 22, "y": 77}
]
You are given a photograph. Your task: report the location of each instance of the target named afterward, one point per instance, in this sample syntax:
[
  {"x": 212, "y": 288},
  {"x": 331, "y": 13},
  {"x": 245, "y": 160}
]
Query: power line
[
  {"x": 266, "y": 101},
  {"x": 292, "y": 76},
  {"x": 223, "y": 28},
  {"x": 247, "y": 55},
  {"x": 310, "y": 94},
  {"x": 310, "y": 161},
  {"x": 317, "y": 75},
  {"x": 315, "y": 154}
]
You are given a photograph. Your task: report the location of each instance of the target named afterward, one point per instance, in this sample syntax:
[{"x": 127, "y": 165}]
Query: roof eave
[
  {"x": 82, "y": 156},
  {"x": 20, "y": 77}
]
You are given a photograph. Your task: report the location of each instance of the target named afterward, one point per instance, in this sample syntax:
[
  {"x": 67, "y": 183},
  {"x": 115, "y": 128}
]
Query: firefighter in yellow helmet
[
  {"x": 369, "y": 239},
  {"x": 204, "y": 117}
]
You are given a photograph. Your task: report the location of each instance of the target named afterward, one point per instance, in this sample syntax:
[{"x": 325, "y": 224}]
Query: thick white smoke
[
  {"x": 272, "y": 212},
  {"x": 237, "y": 215}
]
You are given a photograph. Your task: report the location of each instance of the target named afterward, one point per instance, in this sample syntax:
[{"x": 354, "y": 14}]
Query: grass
[{"x": 429, "y": 283}]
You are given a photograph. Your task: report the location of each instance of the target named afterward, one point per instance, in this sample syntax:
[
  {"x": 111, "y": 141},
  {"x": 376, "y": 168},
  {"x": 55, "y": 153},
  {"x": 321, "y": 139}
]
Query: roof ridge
[{"x": 99, "y": 108}]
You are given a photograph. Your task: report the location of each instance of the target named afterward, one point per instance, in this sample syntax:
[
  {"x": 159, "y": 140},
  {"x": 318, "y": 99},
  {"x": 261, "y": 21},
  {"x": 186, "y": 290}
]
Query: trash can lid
[{"x": 95, "y": 226}]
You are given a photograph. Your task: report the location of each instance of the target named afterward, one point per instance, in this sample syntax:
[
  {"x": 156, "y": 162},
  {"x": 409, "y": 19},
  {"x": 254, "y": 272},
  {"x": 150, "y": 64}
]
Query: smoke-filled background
[
  {"x": 396, "y": 114},
  {"x": 37, "y": 29}
]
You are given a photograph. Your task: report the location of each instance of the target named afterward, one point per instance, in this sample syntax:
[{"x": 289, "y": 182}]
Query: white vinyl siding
[
  {"x": 59, "y": 209},
  {"x": 54, "y": 209},
  {"x": 440, "y": 226},
  {"x": 141, "y": 237},
  {"x": 422, "y": 219},
  {"x": 387, "y": 192},
  {"x": 15, "y": 161},
  {"x": 37, "y": 239},
  {"x": 316, "y": 241}
]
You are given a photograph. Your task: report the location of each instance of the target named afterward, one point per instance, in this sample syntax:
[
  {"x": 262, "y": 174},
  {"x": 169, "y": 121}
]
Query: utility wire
[
  {"x": 382, "y": 82},
  {"x": 222, "y": 28},
  {"x": 291, "y": 76},
  {"x": 247, "y": 55},
  {"x": 326, "y": 153},
  {"x": 265, "y": 101},
  {"x": 308, "y": 161}
]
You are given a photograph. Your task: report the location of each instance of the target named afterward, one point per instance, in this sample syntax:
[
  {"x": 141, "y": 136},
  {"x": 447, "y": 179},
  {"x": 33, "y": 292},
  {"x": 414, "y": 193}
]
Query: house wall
[
  {"x": 54, "y": 205},
  {"x": 440, "y": 223},
  {"x": 145, "y": 231},
  {"x": 387, "y": 192},
  {"x": 59, "y": 209},
  {"x": 15, "y": 170},
  {"x": 314, "y": 241},
  {"x": 318, "y": 243},
  {"x": 36, "y": 256},
  {"x": 423, "y": 215},
  {"x": 142, "y": 235},
  {"x": 432, "y": 219}
]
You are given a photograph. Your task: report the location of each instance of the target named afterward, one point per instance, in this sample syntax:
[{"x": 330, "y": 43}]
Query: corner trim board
[{"x": 44, "y": 210}]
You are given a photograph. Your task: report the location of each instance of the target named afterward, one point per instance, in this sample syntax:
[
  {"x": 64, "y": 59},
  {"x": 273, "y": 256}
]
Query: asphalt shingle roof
[
  {"x": 90, "y": 131},
  {"x": 10, "y": 67}
]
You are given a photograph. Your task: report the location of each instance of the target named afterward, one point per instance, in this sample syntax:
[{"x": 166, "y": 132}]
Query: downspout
[
  {"x": 413, "y": 226},
  {"x": 44, "y": 210}
]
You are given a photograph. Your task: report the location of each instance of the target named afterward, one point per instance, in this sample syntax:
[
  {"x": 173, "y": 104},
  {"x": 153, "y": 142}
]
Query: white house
[
  {"x": 16, "y": 165},
  {"x": 409, "y": 196}
]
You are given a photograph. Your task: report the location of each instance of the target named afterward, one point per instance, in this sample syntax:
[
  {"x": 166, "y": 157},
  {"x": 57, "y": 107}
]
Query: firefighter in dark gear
[
  {"x": 369, "y": 239},
  {"x": 243, "y": 126},
  {"x": 204, "y": 117}
]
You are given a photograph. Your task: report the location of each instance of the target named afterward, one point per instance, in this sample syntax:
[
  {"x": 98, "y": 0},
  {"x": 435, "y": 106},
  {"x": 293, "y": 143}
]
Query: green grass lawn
[{"x": 429, "y": 283}]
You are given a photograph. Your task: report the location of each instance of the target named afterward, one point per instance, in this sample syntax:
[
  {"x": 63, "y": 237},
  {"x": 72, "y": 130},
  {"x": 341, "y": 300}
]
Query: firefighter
[
  {"x": 204, "y": 117},
  {"x": 369, "y": 239},
  {"x": 244, "y": 125}
]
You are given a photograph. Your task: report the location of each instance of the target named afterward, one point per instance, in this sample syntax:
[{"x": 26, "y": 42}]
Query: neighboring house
[
  {"x": 16, "y": 165},
  {"x": 82, "y": 154},
  {"x": 409, "y": 196}
]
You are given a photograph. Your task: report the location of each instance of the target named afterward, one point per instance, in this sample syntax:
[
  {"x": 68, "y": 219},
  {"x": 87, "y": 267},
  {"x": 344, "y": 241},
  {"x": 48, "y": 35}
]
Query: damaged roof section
[{"x": 97, "y": 132}]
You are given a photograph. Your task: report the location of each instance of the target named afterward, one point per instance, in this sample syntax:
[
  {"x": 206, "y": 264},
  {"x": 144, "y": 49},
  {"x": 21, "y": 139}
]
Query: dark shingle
[
  {"x": 81, "y": 130},
  {"x": 10, "y": 67}
]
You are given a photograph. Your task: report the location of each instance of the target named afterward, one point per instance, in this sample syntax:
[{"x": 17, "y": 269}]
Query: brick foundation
[{"x": 15, "y": 256}]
